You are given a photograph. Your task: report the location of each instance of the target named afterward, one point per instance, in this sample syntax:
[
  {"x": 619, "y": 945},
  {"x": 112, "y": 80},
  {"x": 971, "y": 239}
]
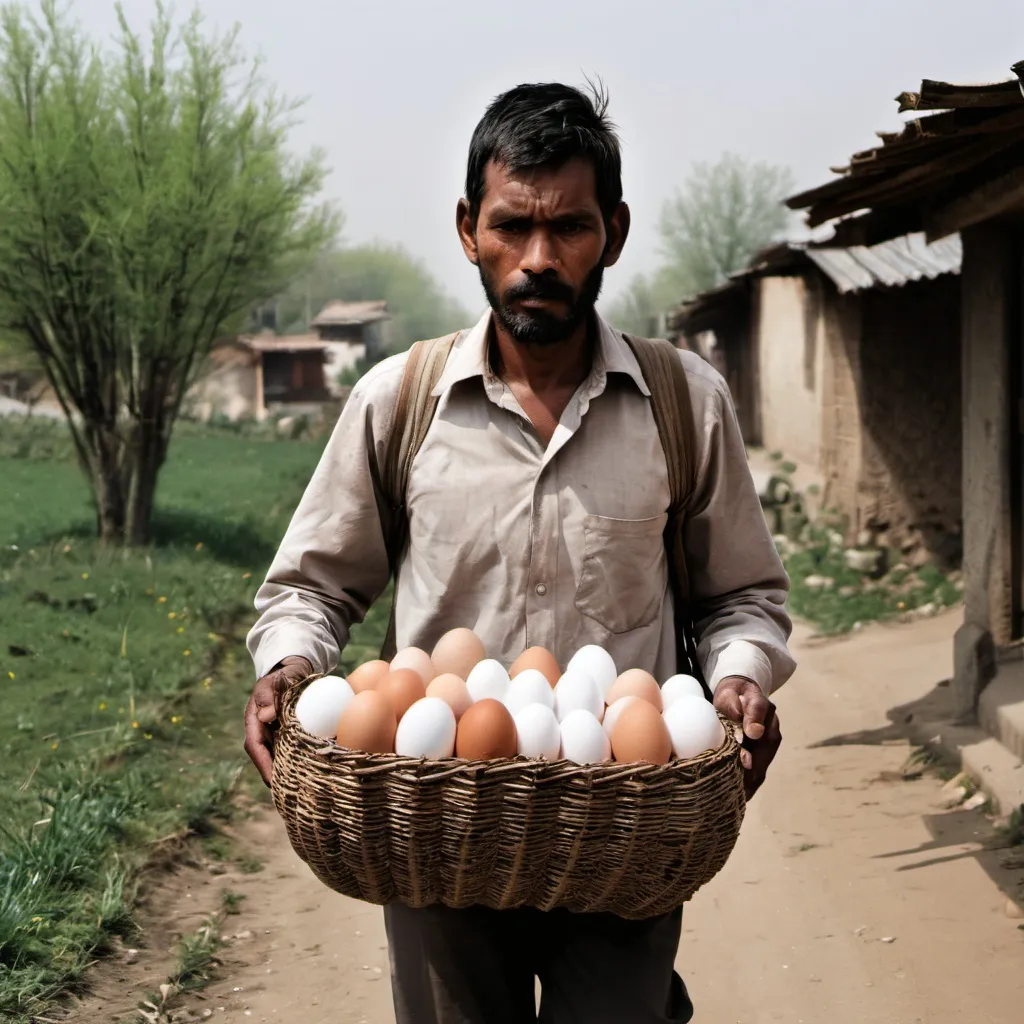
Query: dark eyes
[{"x": 564, "y": 227}]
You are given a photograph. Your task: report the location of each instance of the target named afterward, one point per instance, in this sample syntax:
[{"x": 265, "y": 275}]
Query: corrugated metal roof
[
  {"x": 896, "y": 262},
  {"x": 337, "y": 313}
]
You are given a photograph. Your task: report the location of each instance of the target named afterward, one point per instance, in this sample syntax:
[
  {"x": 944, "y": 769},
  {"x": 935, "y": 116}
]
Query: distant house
[
  {"x": 847, "y": 360},
  {"x": 249, "y": 376}
]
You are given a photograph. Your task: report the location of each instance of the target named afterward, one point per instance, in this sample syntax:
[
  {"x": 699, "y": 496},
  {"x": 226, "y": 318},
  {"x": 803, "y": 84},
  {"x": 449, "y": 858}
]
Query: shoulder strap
[
  {"x": 663, "y": 371},
  {"x": 414, "y": 410}
]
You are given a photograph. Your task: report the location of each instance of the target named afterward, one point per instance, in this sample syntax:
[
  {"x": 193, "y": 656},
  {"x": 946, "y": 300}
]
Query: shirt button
[{"x": 541, "y": 590}]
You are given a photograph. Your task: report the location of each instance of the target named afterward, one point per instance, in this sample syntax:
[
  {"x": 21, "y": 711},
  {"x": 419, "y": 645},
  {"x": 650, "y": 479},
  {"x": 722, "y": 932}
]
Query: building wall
[
  {"x": 231, "y": 391},
  {"x": 910, "y": 402},
  {"x": 341, "y": 356},
  {"x": 790, "y": 342}
]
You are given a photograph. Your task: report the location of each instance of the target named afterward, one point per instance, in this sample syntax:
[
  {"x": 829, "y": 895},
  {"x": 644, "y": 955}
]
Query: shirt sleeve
[
  {"x": 332, "y": 563},
  {"x": 738, "y": 586}
]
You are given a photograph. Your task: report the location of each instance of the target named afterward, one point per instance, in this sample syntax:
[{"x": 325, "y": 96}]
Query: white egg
[
  {"x": 529, "y": 687},
  {"x": 583, "y": 739},
  {"x": 321, "y": 704},
  {"x": 427, "y": 729},
  {"x": 577, "y": 691},
  {"x": 487, "y": 680},
  {"x": 680, "y": 686},
  {"x": 597, "y": 663},
  {"x": 694, "y": 726},
  {"x": 611, "y": 716},
  {"x": 538, "y": 733}
]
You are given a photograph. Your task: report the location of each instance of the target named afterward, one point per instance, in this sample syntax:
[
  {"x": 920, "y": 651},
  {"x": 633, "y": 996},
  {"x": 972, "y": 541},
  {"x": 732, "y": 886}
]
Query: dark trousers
[{"x": 478, "y": 966}]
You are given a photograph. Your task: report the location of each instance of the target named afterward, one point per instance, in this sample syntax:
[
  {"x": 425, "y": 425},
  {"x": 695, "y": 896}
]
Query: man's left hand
[{"x": 742, "y": 702}]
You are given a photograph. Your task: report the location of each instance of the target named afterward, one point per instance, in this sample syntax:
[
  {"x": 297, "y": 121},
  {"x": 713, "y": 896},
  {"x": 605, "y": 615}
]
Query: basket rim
[{"x": 361, "y": 763}]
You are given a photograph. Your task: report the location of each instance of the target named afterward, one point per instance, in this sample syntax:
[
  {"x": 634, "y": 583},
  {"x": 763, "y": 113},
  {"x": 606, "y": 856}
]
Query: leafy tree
[
  {"x": 146, "y": 202},
  {"x": 418, "y": 305},
  {"x": 711, "y": 228}
]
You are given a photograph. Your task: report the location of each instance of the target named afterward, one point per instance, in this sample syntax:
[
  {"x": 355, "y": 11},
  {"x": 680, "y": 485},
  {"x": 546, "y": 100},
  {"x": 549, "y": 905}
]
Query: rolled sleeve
[
  {"x": 737, "y": 583},
  {"x": 332, "y": 563}
]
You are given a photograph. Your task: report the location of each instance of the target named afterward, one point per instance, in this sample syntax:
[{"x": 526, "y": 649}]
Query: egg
[
  {"x": 640, "y": 734},
  {"x": 488, "y": 680},
  {"x": 637, "y": 683},
  {"x": 368, "y": 724},
  {"x": 486, "y": 731},
  {"x": 416, "y": 659},
  {"x": 583, "y": 739},
  {"x": 368, "y": 675},
  {"x": 539, "y": 659},
  {"x": 577, "y": 691},
  {"x": 597, "y": 663},
  {"x": 537, "y": 732},
  {"x": 694, "y": 726},
  {"x": 321, "y": 704},
  {"x": 680, "y": 686},
  {"x": 403, "y": 687},
  {"x": 611, "y": 716},
  {"x": 458, "y": 651},
  {"x": 531, "y": 686},
  {"x": 427, "y": 730},
  {"x": 452, "y": 690}
]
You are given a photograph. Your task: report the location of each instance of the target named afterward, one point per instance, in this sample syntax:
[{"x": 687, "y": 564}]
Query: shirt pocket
[{"x": 622, "y": 572}]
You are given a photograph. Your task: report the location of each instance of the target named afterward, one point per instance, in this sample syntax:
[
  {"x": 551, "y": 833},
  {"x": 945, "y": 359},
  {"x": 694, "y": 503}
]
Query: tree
[
  {"x": 725, "y": 213},
  {"x": 146, "y": 203},
  {"x": 417, "y": 303}
]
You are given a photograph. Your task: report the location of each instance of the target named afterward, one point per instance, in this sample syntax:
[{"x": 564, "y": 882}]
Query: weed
[
  {"x": 249, "y": 865},
  {"x": 231, "y": 902},
  {"x": 1014, "y": 831}
]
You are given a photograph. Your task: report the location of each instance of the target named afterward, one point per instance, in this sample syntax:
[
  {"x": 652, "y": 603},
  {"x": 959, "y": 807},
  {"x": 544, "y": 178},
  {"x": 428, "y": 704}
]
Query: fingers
[
  {"x": 258, "y": 742},
  {"x": 757, "y": 711},
  {"x": 761, "y": 754}
]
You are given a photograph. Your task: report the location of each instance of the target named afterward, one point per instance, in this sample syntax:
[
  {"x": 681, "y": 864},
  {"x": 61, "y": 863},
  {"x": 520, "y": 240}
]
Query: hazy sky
[{"x": 395, "y": 87}]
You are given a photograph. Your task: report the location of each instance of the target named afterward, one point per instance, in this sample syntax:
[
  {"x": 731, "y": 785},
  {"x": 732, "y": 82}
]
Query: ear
[
  {"x": 618, "y": 231},
  {"x": 466, "y": 228}
]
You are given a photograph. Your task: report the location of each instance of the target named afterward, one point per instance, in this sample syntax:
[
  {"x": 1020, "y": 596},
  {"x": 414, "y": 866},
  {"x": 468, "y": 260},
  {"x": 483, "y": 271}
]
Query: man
[{"x": 537, "y": 506}]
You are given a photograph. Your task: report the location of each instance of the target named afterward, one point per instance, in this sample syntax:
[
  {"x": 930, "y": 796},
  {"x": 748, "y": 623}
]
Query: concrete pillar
[{"x": 991, "y": 325}]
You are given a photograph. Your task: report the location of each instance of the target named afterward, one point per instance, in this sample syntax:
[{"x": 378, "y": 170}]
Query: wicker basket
[{"x": 636, "y": 840}]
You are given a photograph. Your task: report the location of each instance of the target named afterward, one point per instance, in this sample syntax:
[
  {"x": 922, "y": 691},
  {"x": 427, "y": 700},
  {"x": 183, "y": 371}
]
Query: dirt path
[{"x": 852, "y": 896}]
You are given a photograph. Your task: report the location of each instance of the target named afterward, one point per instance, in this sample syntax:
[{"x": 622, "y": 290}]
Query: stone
[
  {"x": 919, "y": 558},
  {"x": 816, "y": 582},
  {"x": 847, "y": 591},
  {"x": 867, "y": 562},
  {"x": 864, "y": 539}
]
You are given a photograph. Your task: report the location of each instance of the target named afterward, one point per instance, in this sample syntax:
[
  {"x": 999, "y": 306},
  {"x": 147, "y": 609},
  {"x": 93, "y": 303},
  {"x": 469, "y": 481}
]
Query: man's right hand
[{"x": 262, "y": 710}]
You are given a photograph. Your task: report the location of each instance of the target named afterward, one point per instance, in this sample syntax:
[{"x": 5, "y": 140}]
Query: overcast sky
[{"x": 395, "y": 87}]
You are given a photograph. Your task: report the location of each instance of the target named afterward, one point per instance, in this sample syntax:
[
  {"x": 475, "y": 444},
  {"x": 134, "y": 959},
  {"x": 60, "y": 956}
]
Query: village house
[
  {"x": 847, "y": 361},
  {"x": 251, "y": 376},
  {"x": 961, "y": 169}
]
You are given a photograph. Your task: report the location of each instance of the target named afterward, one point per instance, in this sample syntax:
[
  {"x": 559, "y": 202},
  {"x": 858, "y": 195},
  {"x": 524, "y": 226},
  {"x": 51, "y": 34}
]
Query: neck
[{"x": 542, "y": 367}]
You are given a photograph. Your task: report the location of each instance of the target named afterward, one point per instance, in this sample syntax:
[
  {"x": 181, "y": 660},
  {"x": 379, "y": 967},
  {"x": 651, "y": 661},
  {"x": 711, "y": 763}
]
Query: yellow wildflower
[
  {"x": 172, "y": 615},
  {"x": 199, "y": 546},
  {"x": 181, "y": 629},
  {"x": 103, "y": 706},
  {"x": 10, "y": 675},
  {"x": 186, "y": 654},
  {"x": 246, "y": 575},
  {"x": 161, "y": 600},
  {"x": 67, "y": 548},
  {"x": 147, "y": 735},
  {"x": 54, "y": 746},
  {"x": 206, "y": 683},
  {"x": 85, "y": 575},
  {"x": 135, "y": 725},
  {"x": 212, "y": 636},
  {"x": 175, "y": 719}
]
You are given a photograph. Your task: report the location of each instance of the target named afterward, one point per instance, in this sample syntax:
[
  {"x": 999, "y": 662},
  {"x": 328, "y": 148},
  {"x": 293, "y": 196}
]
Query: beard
[{"x": 538, "y": 326}]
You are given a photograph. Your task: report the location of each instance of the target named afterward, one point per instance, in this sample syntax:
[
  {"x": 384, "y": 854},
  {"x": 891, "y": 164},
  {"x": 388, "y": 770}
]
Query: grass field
[{"x": 124, "y": 678}]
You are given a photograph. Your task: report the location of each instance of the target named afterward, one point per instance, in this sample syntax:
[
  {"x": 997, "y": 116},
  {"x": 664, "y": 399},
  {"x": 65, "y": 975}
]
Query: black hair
[{"x": 546, "y": 125}]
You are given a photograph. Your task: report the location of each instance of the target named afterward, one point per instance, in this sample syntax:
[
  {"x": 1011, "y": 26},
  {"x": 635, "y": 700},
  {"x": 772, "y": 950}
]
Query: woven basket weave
[{"x": 636, "y": 840}]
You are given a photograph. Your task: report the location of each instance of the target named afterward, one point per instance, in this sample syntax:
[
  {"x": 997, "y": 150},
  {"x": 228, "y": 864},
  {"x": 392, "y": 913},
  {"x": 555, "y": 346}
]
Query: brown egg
[
  {"x": 635, "y": 682},
  {"x": 458, "y": 651},
  {"x": 452, "y": 690},
  {"x": 640, "y": 734},
  {"x": 367, "y": 676},
  {"x": 369, "y": 724},
  {"x": 403, "y": 687},
  {"x": 419, "y": 661},
  {"x": 540, "y": 659},
  {"x": 486, "y": 731}
]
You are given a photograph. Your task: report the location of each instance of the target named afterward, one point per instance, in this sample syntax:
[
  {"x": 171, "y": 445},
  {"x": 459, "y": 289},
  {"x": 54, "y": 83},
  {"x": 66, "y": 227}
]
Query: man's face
[{"x": 541, "y": 245}]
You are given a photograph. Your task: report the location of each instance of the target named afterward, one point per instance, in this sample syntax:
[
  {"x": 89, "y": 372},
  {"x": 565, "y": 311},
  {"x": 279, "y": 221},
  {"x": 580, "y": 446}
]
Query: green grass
[
  {"x": 124, "y": 678},
  {"x": 851, "y": 598}
]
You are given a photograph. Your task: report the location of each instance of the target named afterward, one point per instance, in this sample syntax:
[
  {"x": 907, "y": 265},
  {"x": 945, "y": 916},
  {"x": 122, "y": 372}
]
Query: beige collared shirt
[{"x": 556, "y": 546}]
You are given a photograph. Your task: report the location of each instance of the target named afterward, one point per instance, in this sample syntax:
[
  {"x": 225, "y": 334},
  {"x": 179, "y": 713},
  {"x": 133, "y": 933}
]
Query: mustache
[{"x": 540, "y": 288}]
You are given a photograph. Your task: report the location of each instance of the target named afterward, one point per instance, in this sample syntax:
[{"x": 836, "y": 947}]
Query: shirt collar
[{"x": 468, "y": 358}]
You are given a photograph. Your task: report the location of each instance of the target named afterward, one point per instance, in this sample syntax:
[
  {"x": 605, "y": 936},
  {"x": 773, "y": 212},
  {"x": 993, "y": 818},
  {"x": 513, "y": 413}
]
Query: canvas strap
[
  {"x": 663, "y": 371},
  {"x": 414, "y": 410}
]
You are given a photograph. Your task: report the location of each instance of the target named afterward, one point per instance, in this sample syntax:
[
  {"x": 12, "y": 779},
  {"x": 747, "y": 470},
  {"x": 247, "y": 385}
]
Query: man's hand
[
  {"x": 263, "y": 707},
  {"x": 742, "y": 702}
]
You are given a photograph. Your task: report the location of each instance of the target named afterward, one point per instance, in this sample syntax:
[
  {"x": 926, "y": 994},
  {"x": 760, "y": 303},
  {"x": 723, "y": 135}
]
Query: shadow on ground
[{"x": 957, "y": 834}]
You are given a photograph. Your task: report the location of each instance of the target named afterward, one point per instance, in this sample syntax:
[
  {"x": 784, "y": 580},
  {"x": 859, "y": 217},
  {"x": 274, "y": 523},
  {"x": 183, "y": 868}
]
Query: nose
[{"x": 539, "y": 255}]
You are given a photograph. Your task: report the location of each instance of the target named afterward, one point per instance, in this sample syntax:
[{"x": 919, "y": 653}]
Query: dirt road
[{"x": 852, "y": 896}]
